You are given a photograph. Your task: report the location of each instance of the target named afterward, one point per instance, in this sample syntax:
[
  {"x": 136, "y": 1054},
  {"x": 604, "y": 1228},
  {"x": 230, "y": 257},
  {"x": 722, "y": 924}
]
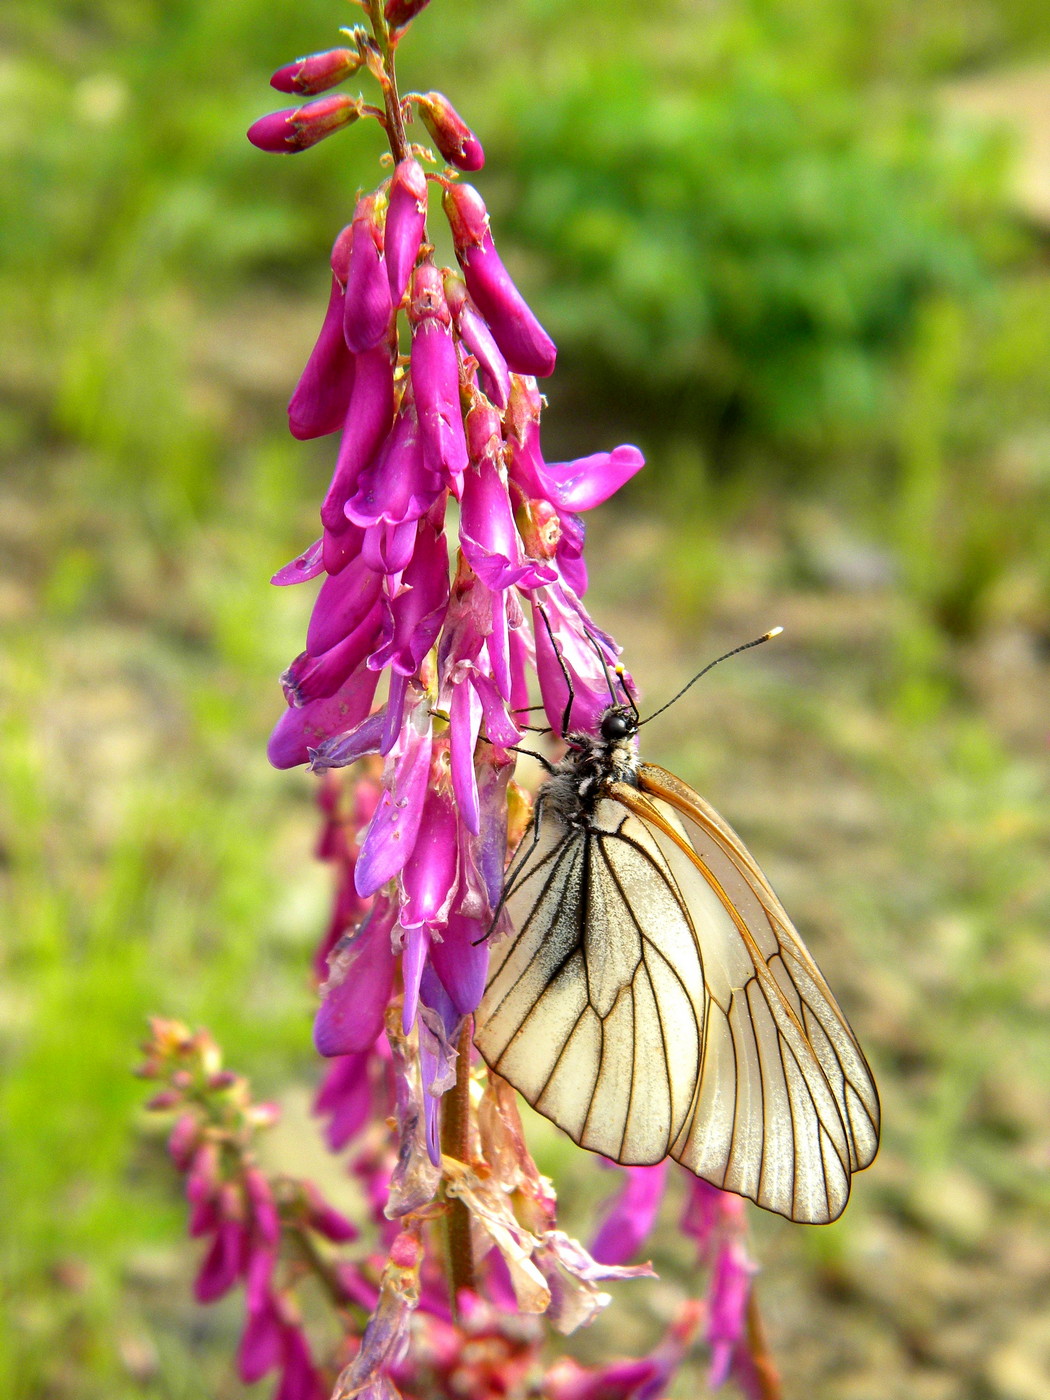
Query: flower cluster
[
  {"x": 257, "y": 1228},
  {"x": 420, "y": 666}
]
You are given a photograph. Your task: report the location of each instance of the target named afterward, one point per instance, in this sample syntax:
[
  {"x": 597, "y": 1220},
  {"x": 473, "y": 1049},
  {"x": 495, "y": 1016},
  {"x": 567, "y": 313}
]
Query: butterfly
[{"x": 655, "y": 999}]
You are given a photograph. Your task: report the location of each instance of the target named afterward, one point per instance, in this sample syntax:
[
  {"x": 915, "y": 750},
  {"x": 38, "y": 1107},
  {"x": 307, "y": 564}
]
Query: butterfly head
[{"x": 618, "y": 724}]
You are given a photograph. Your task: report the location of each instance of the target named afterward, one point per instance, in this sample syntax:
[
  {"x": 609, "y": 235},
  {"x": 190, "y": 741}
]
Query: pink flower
[
  {"x": 525, "y": 344},
  {"x": 629, "y": 1216},
  {"x": 358, "y": 989},
  {"x": 318, "y": 405},
  {"x": 435, "y": 379},
  {"x": 391, "y": 835},
  {"x": 406, "y": 220},
  {"x": 369, "y": 414},
  {"x": 367, "y": 304}
]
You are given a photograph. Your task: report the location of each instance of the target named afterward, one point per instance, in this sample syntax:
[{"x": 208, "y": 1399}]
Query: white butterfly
[{"x": 655, "y": 999}]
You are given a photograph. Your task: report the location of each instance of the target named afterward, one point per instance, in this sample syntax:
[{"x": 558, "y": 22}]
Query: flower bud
[
  {"x": 399, "y": 12},
  {"x": 452, "y": 136},
  {"x": 317, "y": 72},
  {"x": 526, "y": 346},
  {"x": 296, "y": 128}
]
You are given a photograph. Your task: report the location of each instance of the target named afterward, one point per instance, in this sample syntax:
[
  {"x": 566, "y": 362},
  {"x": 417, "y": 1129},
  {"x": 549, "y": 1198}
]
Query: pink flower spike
[
  {"x": 479, "y": 340},
  {"x": 526, "y": 346},
  {"x": 368, "y": 419},
  {"x": 392, "y": 832},
  {"x": 406, "y": 221},
  {"x": 452, "y": 136},
  {"x": 306, "y": 566},
  {"x": 589, "y": 481},
  {"x": 297, "y": 128},
  {"x": 358, "y": 989},
  {"x": 367, "y": 305},
  {"x": 317, "y": 72},
  {"x": 435, "y": 379},
  {"x": 629, "y": 1216},
  {"x": 318, "y": 405},
  {"x": 300, "y": 730}
]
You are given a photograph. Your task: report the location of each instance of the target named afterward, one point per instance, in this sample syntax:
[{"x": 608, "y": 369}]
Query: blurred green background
[{"x": 797, "y": 250}]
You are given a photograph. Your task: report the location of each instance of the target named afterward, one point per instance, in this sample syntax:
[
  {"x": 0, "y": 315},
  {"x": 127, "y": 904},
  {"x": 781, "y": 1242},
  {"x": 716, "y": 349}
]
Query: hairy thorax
[{"x": 581, "y": 777}]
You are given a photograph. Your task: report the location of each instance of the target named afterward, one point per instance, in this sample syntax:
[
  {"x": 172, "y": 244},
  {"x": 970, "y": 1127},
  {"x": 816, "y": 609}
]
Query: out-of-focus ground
[{"x": 826, "y": 317}]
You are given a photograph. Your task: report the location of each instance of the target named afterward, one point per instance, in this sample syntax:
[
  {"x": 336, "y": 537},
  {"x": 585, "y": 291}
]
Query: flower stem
[
  {"x": 455, "y": 1142},
  {"x": 765, "y": 1371},
  {"x": 395, "y": 125}
]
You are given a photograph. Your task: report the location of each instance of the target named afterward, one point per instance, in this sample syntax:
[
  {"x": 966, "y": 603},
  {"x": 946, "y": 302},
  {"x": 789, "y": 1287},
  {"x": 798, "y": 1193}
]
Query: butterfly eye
[{"x": 615, "y": 725}]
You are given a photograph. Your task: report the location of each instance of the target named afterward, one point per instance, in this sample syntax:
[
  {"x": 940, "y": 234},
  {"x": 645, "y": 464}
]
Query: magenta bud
[
  {"x": 317, "y": 72},
  {"x": 399, "y": 12},
  {"x": 467, "y": 216},
  {"x": 406, "y": 220},
  {"x": 296, "y": 128},
  {"x": 366, "y": 305},
  {"x": 340, "y": 259},
  {"x": 427, "y": 301},
  {"x": 484, "y": 437},
  {"x": 526, "y": 346},
  {"x": 452, "y": 136}
]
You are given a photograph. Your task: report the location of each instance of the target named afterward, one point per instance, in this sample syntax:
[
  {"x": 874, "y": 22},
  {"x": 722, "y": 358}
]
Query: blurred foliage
[{"x": 766, "y": 256}]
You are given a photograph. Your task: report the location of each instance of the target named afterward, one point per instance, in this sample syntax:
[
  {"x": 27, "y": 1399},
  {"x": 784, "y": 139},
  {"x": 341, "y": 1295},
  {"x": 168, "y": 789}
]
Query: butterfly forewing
[{"x": 594, "y": 1010}]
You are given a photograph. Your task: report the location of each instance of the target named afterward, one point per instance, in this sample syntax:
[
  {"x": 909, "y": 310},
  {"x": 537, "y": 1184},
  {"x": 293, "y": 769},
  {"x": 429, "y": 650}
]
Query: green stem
[
  {"x": 455, "y": 1142},
  {"x": 395, "y": 125}
]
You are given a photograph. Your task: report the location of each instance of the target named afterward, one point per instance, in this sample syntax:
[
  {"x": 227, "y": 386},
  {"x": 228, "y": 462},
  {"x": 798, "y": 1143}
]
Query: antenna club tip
[{"x": 773, "y": 632}]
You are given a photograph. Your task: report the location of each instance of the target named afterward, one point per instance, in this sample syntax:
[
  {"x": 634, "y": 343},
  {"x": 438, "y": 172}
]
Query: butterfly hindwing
[{"x": 805, "y": 1108}]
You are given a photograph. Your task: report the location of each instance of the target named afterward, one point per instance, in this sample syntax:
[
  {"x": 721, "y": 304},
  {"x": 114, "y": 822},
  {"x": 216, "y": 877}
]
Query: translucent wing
[
  {"x": 785, "y": 1107},
  {"x": 594, "y": 1010}
]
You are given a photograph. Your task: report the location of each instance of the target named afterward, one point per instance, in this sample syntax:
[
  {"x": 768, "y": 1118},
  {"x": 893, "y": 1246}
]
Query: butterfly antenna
[
  {"x": 604, "y": 664},
  {"x": 564, "y": 670},
  {"x": 621, "y": 676},
  {"x": 766, "y": 636}
]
